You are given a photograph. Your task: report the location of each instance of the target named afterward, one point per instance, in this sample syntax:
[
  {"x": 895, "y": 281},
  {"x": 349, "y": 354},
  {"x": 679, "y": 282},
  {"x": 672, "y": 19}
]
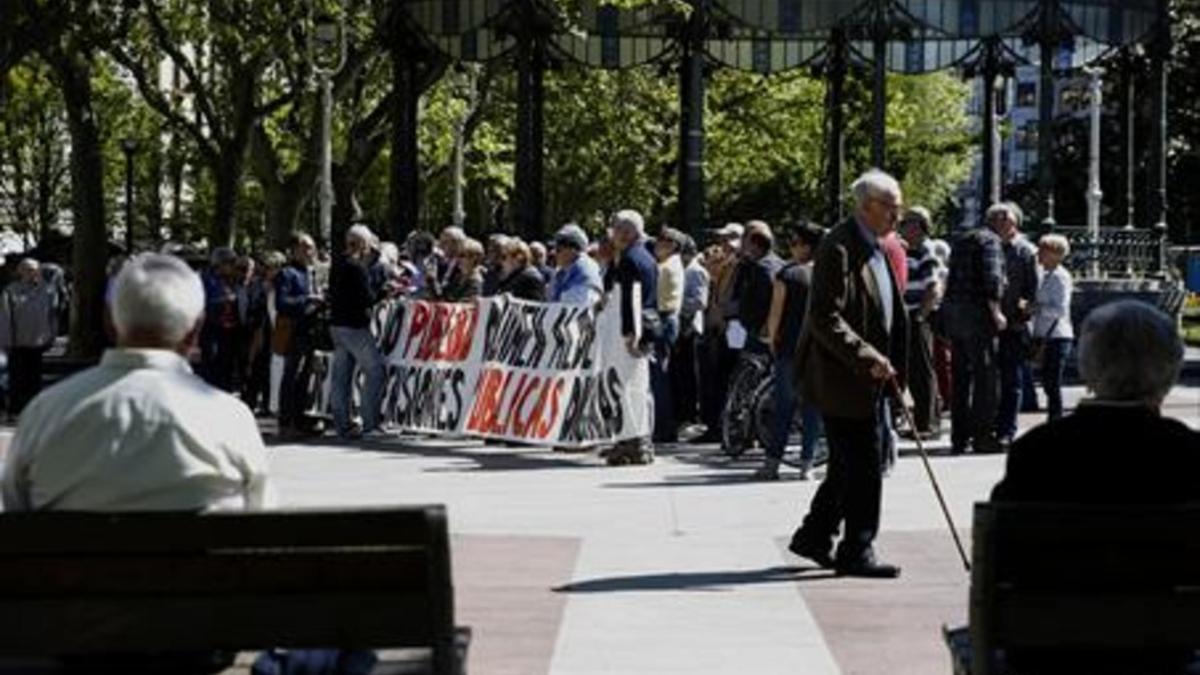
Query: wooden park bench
[
  {"x": 1066, "y": 577},
  {"x": 90, "y": 583}
]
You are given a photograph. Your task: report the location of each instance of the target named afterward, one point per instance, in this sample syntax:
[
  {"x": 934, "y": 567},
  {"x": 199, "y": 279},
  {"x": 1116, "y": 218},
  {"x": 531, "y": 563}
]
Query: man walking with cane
[{"x": 854, "y": 343}]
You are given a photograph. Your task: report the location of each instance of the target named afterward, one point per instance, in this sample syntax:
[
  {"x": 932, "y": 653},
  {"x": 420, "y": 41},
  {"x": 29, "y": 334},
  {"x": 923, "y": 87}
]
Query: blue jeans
[
  {"x": 785, "y": 409},
  {"x": 351, "y": 347},
  {"x": 1052, "y": 372}
]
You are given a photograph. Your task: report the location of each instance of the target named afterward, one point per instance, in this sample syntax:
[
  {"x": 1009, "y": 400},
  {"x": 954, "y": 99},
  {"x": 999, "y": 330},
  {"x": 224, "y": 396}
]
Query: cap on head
[{"x": 571, "y": 236}]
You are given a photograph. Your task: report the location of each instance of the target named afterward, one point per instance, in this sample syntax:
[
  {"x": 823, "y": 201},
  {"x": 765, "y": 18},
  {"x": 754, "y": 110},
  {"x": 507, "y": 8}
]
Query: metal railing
[{"x": 1119, "y": 252}]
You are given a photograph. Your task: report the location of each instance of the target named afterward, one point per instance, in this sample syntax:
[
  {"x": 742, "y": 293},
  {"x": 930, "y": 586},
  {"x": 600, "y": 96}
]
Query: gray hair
[
  {"x": 628, "y": 218},
  {"x": 455, "y": 233},
  {"x": 1056, "y": 243},
  {"x": 874, "y": 183},
  {"x": 361, "y": 233},
  {"x": 1007, "y": 208},
  {"x": 222, "y": 255},
  {"x": 1130, "y": 351},
  {"x": 157, "y": 296}
]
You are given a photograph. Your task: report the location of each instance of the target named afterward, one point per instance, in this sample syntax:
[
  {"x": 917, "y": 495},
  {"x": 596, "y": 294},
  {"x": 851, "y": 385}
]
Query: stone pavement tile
[
  {"x": 687, "y": 604},
  {"x": 894, "y": 626},
  {"x": 503, "y": 593}
]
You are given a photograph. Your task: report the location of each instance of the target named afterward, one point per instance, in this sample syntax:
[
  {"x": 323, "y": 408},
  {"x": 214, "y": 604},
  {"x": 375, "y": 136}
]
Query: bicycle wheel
[
  {"x": 764, "y": 416},
  {"x": 737, "y": 419}
]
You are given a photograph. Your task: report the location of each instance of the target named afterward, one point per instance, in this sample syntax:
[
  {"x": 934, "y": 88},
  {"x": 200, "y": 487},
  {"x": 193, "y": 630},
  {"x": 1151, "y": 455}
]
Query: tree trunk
[
  {"x": 284, "y": 206},
  {"x": 227, "y": 175},
  {"x": 90, "y": 242}
]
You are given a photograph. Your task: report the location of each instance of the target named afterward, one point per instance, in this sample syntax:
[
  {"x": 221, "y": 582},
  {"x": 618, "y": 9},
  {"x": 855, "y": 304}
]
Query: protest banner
[{"x": 539, "y": 373}]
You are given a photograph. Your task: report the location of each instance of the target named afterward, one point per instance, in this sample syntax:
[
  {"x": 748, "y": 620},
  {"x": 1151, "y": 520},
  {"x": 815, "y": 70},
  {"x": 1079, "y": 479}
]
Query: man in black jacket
[
  {"x": 755, "y": 284},
  {"x": 634, "y": 267},
  {"x": 354, "y": 345}
]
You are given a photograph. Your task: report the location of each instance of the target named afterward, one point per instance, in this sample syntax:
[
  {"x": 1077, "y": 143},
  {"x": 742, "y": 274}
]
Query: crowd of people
[
  {"x": 981, "y": 309},
  {"x": 866, "y": 317}
]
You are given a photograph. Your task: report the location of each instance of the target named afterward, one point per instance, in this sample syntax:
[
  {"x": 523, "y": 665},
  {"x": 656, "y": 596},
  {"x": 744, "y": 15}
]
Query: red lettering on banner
[
  {"x": 416, "y": 325},
  {"x": 446, "y": 336},
  {"x": 523, "y": 427},
  {"x": 505, "y": 404},
  {"x": 546, "y": 425},
  {"x": 464, "y": 333}
]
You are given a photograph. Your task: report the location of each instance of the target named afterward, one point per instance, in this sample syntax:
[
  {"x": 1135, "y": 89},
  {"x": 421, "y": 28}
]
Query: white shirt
[
  {"x": 1052, "y": 320},
  {"x": 139, "y": 432}
]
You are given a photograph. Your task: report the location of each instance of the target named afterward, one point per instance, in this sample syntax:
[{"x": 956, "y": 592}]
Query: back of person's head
[
  {"x": 805, "y": 232},
  {"x": 360, "y": 238},
  {"x": 420, "y": 244},
  {"x": 1130, "y": 351},
  {"x": 760, "y": 236},
  {"x": 157, "y": 302}
]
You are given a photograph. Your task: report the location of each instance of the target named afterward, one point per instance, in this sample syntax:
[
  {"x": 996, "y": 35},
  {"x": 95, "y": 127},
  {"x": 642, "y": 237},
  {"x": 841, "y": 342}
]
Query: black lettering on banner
[
  {"x": 594, "y": 411},
  {"x": 429, "y": 398}
]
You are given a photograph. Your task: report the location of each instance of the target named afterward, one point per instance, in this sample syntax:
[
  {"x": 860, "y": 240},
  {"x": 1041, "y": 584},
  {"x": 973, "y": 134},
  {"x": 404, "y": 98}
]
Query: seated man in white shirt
[{"x": 139, "y": 432}]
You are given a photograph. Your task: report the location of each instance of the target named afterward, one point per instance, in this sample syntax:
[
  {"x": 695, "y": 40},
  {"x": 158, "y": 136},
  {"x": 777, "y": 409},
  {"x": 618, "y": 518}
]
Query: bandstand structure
[{"x": 983, "y": 39}]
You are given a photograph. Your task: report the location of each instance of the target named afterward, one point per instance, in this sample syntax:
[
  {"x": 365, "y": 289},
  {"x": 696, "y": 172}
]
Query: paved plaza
[{"x": 563, "y": 565}]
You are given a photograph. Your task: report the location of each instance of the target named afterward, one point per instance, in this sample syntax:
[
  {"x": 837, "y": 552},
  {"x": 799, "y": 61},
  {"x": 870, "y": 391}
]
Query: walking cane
[{"x": 937, "y": 490}]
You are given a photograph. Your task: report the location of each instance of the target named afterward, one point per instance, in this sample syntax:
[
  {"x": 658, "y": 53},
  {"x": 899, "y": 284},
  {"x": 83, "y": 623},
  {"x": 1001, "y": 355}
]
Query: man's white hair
[
  {"x": 362, "y": 234},
  {"x": 1008, "y": 209},
  {"x": 628, "y": 218},
  {"x": 157, "y": 296},
  {"x": 874, "y": 183},
  {"x": 455, "y": 233},
  {"x": 1130, "y": 351}
]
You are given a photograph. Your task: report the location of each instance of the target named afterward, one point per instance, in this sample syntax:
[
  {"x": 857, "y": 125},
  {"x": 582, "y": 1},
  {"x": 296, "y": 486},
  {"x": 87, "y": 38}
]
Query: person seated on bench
[
  {"x": 1115, "y": 449},
  {"x": 140, "y": 431}
]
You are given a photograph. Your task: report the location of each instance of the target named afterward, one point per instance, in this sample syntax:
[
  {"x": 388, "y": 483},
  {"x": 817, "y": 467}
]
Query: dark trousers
[
  {"x": 666, "y": 430},
  {"x": 24, "y": 376},
  {"x": 1052, "y": 374},
  {"x": 257, "y": 390},
  {"x": 293, "y": 386},
  {"x": 853, "y": 487},
  {"x": 922, "y": 375},
  {"x": 685, "y": 385},
  {"x": 1013, "y": 350},
  {"x": 973, "y": 414},
  {"x": 717, "y": 363}
]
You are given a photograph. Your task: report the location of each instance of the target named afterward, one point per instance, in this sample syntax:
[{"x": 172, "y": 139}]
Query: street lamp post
[
  {"x": 1094, "y": 195},
  {"x": 327, "y": 54},
  {"x": 129, "y": 147}
]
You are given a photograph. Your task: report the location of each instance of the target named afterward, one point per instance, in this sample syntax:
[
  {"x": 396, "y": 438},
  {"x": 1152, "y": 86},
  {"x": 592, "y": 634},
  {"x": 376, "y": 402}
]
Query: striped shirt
[{"x": 924, "y": 270}]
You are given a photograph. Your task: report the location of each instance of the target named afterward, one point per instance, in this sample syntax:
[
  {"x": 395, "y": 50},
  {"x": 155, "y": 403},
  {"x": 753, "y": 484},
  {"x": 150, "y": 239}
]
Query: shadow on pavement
[
  {"x": 707, "y": 480},
  {"x": 696, "y": 581}
]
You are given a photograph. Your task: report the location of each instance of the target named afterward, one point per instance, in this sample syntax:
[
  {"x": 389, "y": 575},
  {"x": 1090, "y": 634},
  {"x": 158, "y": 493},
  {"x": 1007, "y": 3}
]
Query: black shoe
[
  {"x": 807, "y": 548},
  {"x": 867, "y": 567}
]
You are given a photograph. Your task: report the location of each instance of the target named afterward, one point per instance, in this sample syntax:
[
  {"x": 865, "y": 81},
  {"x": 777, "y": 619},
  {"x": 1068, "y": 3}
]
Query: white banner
[{"x": 540, "y": 373}]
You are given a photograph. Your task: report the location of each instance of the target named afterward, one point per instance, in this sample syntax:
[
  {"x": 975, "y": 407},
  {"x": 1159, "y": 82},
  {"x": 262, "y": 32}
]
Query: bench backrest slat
[
  {"x": 1067, "y": 576},
  {"x": 83, "y": 583}
]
